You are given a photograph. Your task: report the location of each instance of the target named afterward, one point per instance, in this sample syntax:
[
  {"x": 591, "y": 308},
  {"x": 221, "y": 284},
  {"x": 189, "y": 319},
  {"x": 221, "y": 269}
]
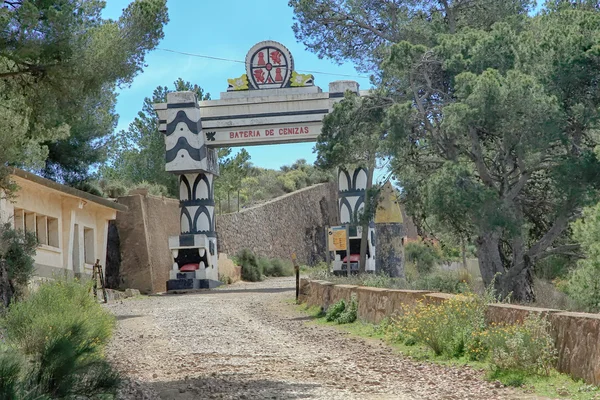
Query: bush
[
  {"x": 251, "y": 270},
  {"x": 265, "y": 265},
  {"x": 342, "y": 313},
  {"x": 424, "y": 256},
  {"x": 583, "y": 285},
  {"x": 335, "y": 311},
  {"x": 18, "y": 248},
  {"x": 444, "y": 281},
  {"x": 446, "y": 328},
  {"x": 279, "y": 267},
  {"x": 528, "y": 348},
  {"x": 60, "y": 330},
  {"x": 349, "y": 314},
  {"x": 56, "y": 307}
]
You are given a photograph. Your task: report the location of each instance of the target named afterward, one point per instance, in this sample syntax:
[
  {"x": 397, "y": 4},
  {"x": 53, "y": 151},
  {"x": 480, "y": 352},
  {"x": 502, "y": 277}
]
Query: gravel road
[{"x": 247, "y": 341}]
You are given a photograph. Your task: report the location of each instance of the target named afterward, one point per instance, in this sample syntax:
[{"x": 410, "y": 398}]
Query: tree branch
[
  {"x": 476, "y": 156},
  {"x": 567, "y": 249},
  {"x": 343, "y": 17}
]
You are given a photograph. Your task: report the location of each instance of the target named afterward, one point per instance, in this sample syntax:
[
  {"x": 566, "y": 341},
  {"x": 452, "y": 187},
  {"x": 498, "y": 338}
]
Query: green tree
[
  {"x": 233, "y": 170},
  {"x": 583, "y": 284},
  {"x": 60, "y": 63},
  {"x": 351, "y": 137},
  {"x": 137, "y": 155},
  {"x": 492, "y": 129},
  {"x": 361, "y": 31}
]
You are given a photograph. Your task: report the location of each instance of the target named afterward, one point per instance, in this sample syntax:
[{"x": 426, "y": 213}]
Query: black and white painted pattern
[
  {"x": 352, "y": 186},
  {"x": 197, "y": 204}
]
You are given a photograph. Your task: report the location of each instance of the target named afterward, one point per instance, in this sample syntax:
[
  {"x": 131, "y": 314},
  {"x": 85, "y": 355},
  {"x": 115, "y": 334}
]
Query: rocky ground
[{"x": 247, "y": 341}]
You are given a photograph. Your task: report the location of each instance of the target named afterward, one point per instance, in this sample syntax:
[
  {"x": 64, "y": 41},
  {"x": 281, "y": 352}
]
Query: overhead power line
[{"x": 243, "y": 62}]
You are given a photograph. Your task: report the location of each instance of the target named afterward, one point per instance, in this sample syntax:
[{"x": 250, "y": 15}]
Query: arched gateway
[{"x": 271, "y": 103}]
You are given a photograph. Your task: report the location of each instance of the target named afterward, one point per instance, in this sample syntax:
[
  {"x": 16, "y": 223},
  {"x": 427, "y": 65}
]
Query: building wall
[{"x": 35, "y": 202}]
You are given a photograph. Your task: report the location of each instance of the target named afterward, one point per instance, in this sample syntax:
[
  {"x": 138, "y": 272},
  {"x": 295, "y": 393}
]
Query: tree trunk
[
  {"x": 6, "y": 289},
  {"x": 519, "y": 287},
  {"x": 238, "y": 207},
  {"x": 228, "y": 203},
  {"x": 490, "y": 262},
  {"x": 365, "y": 224},
  {"x": 463, "y": 250}
]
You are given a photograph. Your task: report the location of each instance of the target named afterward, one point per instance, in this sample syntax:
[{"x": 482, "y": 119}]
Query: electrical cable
[{"x": 243, "y": 62}]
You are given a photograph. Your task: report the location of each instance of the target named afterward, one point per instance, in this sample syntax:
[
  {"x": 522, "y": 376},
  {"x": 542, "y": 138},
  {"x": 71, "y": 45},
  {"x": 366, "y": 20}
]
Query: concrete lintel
[{"x": 270, "y": 92}]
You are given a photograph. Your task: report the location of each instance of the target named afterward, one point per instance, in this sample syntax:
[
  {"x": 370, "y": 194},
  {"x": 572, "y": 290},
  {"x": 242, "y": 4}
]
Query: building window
[
  {"x": 43, "y": 227},
  {"x": 53, "y": 232},
  {"x": 19, "y": 219},
  {"x": 88, "y": 246},
  {"x": 30, "y": 222}
]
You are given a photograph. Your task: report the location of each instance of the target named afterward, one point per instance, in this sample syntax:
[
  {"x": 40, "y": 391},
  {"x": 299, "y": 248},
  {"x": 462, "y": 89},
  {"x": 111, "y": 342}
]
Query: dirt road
[{"x": 248, "y": 342}]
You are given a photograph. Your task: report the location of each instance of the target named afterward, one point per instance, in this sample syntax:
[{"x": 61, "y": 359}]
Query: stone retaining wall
[
  {"x": 577, "y": 335},
  {"x": 294, "y": 223},
  {"x": 139, "y": 248}
]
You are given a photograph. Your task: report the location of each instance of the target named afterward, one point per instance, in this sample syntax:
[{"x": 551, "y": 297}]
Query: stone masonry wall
[
  {"x": 576, "y": 335},
  {"x": 291, "y": 223}
]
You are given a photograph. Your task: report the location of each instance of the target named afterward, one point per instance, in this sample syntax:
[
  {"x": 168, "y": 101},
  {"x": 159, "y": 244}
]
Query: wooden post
[
  {"x": 327, "y": 254},
  {"x": 297, "y": 270},
  {"x": 348, "y": 249}
]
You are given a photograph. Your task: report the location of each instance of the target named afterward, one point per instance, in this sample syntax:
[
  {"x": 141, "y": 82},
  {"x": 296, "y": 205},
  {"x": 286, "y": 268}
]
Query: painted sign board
[
  {"x": 337, "y": 238},
  {"x": 266, "y": 134}
]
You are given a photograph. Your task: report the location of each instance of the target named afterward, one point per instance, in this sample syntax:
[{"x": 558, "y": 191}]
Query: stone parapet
[{"x": 576, "y": 335}]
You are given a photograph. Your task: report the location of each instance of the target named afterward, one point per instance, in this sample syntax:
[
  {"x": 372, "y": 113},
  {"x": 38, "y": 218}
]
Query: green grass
[{"x": 554, "y": 386}]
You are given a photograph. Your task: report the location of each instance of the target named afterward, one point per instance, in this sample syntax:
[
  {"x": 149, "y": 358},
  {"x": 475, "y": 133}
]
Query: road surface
[{"x": 247, "y": 341}]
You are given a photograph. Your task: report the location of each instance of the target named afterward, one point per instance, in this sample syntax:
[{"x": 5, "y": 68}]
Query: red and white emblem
[{"x": 269, "y": 65}]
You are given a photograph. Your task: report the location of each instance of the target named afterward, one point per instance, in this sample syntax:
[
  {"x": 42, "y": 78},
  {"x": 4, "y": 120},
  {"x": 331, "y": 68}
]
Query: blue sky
[{"x": 225, "y": 29}]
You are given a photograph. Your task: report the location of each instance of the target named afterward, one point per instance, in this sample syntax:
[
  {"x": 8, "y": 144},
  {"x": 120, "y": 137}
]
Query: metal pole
[
  {"x": 348, "y": 249},
  {"x": 297, "y": 270}
]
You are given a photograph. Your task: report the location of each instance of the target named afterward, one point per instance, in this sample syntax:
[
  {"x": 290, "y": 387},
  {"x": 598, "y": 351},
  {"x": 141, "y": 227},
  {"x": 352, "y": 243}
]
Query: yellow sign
[{"x": 337, "y": 238}]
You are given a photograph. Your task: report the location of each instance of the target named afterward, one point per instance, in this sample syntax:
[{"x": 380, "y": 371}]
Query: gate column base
[{"x": 191, "y": 284}]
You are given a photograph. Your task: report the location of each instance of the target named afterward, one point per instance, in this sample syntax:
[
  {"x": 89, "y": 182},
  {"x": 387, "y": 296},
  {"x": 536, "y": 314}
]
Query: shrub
[
  {"x": 583, "y": 285},
  {"x": 17, "y": 248},
  {"x": 335, "y": 311},
  {"x": 349, "y": 313},
  {"x": 265, "y": 265},
  {"x": 280, "y": 268},
  {"x": 528, "y": 347},
  {"x": 446, "y": 328},
  {"x": 342, "y": 313},
  {"x": 424, "y": 256},
  {"x": 251, "y": 270},
  {"x": 444, "y": 281},
  {"x": 55, "y": 341},
  {"x": 56, "y": 307}
]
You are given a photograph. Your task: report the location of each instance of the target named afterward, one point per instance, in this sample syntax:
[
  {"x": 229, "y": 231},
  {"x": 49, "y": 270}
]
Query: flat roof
[{"x": 68, "y": 189}]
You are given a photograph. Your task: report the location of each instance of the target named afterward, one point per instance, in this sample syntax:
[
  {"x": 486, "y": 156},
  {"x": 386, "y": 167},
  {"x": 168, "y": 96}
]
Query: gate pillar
[
  {"x": 352, "y": 186},
  {"x": 194, "y": 250}
]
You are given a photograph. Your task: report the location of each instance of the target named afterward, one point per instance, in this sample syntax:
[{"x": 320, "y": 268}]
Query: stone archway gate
[{"x": 270, "y": 104}]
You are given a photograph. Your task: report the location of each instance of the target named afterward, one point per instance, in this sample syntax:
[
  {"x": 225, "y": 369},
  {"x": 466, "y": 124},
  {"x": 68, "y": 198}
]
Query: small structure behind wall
[{"x": 390, "y": 234}]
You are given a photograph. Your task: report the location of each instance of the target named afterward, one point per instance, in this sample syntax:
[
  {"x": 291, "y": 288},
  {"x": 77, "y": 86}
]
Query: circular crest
[{"x": 269, "y": 65}]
